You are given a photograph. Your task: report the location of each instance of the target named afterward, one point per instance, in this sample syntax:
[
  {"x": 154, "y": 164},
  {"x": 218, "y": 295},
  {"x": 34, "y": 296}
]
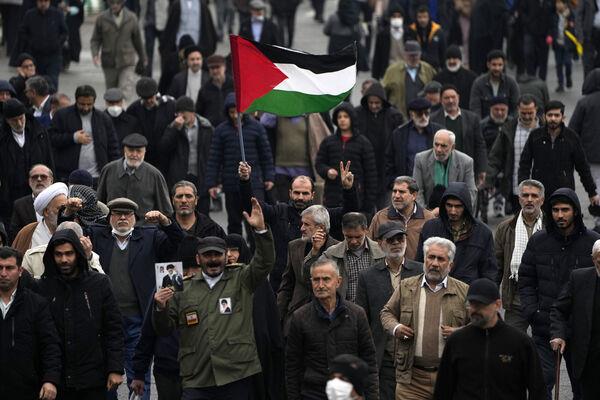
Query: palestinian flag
[{"x": 289, "y": 82}]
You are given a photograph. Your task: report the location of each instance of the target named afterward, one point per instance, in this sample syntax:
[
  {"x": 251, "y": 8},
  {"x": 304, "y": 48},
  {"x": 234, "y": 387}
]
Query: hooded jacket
[
  {"x": 378, "y": 127},
  {"x": 432, "y": 41},
  {"x": 548, "y": 261},
  {"x": 474, "y": 256},
  {"x": 359, "y": 150},
  {"x": 87, "y": 318},
  {"x": 586, "y": 117},
  {"x": 225, "y": 155}
]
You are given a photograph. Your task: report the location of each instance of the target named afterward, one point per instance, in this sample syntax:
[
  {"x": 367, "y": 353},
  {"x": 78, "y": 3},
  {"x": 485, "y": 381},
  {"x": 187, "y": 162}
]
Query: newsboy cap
[
  {"x": 135, "y": 140},
  {"x": 122, "y": 204}
]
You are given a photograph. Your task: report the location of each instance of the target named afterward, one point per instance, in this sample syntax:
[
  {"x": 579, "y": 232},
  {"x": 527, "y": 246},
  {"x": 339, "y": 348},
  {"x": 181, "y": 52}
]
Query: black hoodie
[
  {"x": 359, "y": 151},
  {"x": 548, "y": 261},
  {"x": 474, "y": 256},
  {"x": 86, "y": 316},
  {"x": 378, "y": 127}
]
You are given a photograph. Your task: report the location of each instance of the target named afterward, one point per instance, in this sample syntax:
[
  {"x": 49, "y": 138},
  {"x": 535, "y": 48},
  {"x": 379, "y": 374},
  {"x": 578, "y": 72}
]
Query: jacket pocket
[
  {"x": 241, "y": 349},
  {"x": 188, "y": 363}
]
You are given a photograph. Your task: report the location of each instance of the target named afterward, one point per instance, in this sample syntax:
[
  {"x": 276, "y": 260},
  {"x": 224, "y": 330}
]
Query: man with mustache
[
  {"x": 553, "y": 152},
  {"x": 217, "y": 353},
  {"x": 134, "y": 178},
  {"x": 551, "y": 254},
  {"x": 511, "y": 239},
  {"x": 185, "y": 198},
  {"x": 494, "y": 359},
  {"x": 421, "y": 314},
  {"x": 375, "y": 287},
  {"x": 409, "y": 139}
]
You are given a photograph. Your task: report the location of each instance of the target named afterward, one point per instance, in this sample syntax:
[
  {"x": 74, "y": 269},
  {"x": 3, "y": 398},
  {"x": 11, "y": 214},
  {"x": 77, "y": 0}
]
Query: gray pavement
[{"x": 309, "y": 38}]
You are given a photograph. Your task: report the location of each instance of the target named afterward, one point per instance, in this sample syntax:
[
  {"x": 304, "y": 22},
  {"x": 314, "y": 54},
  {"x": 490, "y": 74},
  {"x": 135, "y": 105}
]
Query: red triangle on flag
[{"x": 254, "y": 74}]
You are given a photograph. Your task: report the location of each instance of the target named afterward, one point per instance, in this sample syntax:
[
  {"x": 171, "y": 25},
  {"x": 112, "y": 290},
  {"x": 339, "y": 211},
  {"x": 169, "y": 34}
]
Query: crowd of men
[{"x": 356, "y": 263}]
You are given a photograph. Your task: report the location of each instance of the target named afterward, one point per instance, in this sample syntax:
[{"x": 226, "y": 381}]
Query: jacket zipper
[
  {"x": 87, "y": 302},
  {"x": 485, "y": 367}
]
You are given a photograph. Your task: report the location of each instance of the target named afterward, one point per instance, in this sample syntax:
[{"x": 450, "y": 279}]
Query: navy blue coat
[
  {"x": 225, "y": 154},
  {"x": 65, "y": 123},
  {"x": 147, "y": 245}
]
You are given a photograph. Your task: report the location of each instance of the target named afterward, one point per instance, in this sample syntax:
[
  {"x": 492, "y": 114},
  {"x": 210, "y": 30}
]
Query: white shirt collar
[
  {"x": 212, "y": 281},
  {"x": 19, "y": 138},
  {"x": 451, "y": 117},
  {"x": 439, "y": 286},
  {"x": 122, "y": 243},
  {"x": 5, "y": 307}
]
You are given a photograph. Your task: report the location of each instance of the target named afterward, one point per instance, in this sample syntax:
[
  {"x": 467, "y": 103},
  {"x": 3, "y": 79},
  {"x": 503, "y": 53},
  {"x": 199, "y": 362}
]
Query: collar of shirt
[
  {"x": 5, "y": 307},
  {"x": 19, "y": 138},
  {"x": 438, "y": 287},
  {"x": 212, "y": 281},
  {"x": 358, "y": 252},
  {"x": 392, "y": 272},
  {"x": 38, "y": 111},
  {"x": 122, "y": 243},
  {"x": 450, "y": 116},
  {"x": 520, "y": 125},
  {"x": 128, "y": 170}
]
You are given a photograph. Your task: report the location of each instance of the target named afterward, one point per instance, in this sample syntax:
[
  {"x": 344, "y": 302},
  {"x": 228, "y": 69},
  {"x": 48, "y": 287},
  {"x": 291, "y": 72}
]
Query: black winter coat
[
  {"x": 314, "y": 341},
  {"x": 41, "y": 34},
  {"x": 178, "y": 85},
  {"x": 14, "y": 177},
  {"x": 175, "y": 149},
  {"x": 29, "y": 347},
  {"x": 208, "y": 34},
  {"x": 211, "y": 100},
  {"x": 87, "y": 318},
  {"x": 225, "y": 153},
  {"x": 554, "y": 164},
  {"x": 147, "y": 245},
  {"x": 548, "y": 261},
  {"x": 463, "y": 80},
  {"x": 474, "y": 257},
  {"x": 268, "y": 35},
  {"x": 359, "y": 151},
  {"x": 66, "y": 122},
  {"x": 152, "y": 124},
  {"x": 378, "y": 127},
  {"x": 125, "y": 124},
  {"x": 586, "y": 117}
]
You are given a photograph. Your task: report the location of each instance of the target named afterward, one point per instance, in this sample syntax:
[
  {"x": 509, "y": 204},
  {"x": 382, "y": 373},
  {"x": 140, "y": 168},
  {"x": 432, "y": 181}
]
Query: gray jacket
[
  {"x": 117, "y": 46},
  {"x": 461, "y": 170},
  {"x": 482, "y": 93}
]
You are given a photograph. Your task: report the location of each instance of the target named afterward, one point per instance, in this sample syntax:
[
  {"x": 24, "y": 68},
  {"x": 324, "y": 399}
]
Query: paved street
[{"x": 309, "y": 38}]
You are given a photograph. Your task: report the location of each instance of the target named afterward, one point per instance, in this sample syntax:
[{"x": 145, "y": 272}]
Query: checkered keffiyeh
[{"x": 90, "y": 212}]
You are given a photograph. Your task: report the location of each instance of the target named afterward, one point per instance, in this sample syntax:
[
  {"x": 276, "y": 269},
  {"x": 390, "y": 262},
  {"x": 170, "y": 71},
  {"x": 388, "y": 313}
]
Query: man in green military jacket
[{"x": 213, "y": 313}]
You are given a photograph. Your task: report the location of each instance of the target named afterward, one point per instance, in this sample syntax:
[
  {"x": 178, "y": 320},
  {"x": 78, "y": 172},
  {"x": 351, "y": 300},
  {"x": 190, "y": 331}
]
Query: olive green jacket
[
  {"x": 217, "y": 344},
  {"x": 395, "y": 87},
  {"x": 403, "y": 308}
]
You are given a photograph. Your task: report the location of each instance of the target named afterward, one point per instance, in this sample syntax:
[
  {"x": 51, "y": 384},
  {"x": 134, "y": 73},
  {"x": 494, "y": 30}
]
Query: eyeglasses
[{"x": 39, "y": 177}]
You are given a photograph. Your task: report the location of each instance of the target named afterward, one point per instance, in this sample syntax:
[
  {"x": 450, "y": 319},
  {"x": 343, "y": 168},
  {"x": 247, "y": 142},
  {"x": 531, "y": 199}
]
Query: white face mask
[
  {"x": 122, "y": 233},
  {"x": 338, "y": 389},
  {"x": 115, "y": 111},
  {"x": 396, "y": 23},
  {"x": 454, "y": 68},
  {"x": 397, "y": 28}
]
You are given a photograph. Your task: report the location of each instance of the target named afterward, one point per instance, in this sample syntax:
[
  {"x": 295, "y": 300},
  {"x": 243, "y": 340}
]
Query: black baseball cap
[
  {"x": 483, "y": 291},
  {"x": 390, "y": 229}
]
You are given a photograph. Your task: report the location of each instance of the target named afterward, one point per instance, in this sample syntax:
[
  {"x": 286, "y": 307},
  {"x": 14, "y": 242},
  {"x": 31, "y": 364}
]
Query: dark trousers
[
  {"x": 151, "y": 34},
  {"x": 590, "y": 385},
  {"x": 591, "y": 51},
  {"x": 168, "y": 387},
  {"x": 87, "y": 394},
  {"x": 548, "y": 361},
  {"x": 11, "y": 17},
  {"x": 49, "y": 65},
  {"x": 287, "y": 25},
  {"x": 535, "y": 51},
  {"x": 514, "y": 318},
  {"x": 318, "y": 6},
  {"x": 564, "y": 60},
  {"x": 238, "y": 390},
  {"x": 132, "y": 328},
  {"x": 387, "y": 378}
]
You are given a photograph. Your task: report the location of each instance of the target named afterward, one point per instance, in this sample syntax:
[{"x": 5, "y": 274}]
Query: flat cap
[
  {"x": 146, "y": 87},
  {"x": 215, "y": 60},
  {"x": 483, "y": 291},
  {"x": 184, "y": 103},
  {"x": 135, "y": 140},
  {"x": 122, "y": 204},
  {"x": 433, "y": 87},
  {"x": 113, "y": 94},
  {"x": 257, "y": 5},
  {"x": 418, "y": 104},
  {"x": 412, "y": 47},
  {"x": 211, "y": 243},
  {"x": 13, "y": 108},
  {"x": 391, "y": 229}
]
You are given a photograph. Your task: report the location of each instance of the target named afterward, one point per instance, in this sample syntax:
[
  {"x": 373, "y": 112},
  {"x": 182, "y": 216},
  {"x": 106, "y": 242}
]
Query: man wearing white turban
[{"x": 47, "y": 204}]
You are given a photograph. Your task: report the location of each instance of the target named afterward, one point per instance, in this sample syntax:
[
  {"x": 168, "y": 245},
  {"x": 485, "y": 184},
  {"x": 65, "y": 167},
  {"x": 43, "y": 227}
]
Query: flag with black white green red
[{"x": 289, "y": 82}]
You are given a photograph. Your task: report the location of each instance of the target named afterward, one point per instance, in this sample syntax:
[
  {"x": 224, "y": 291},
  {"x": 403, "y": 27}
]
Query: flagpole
[{"x": 241, "y": 136}]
